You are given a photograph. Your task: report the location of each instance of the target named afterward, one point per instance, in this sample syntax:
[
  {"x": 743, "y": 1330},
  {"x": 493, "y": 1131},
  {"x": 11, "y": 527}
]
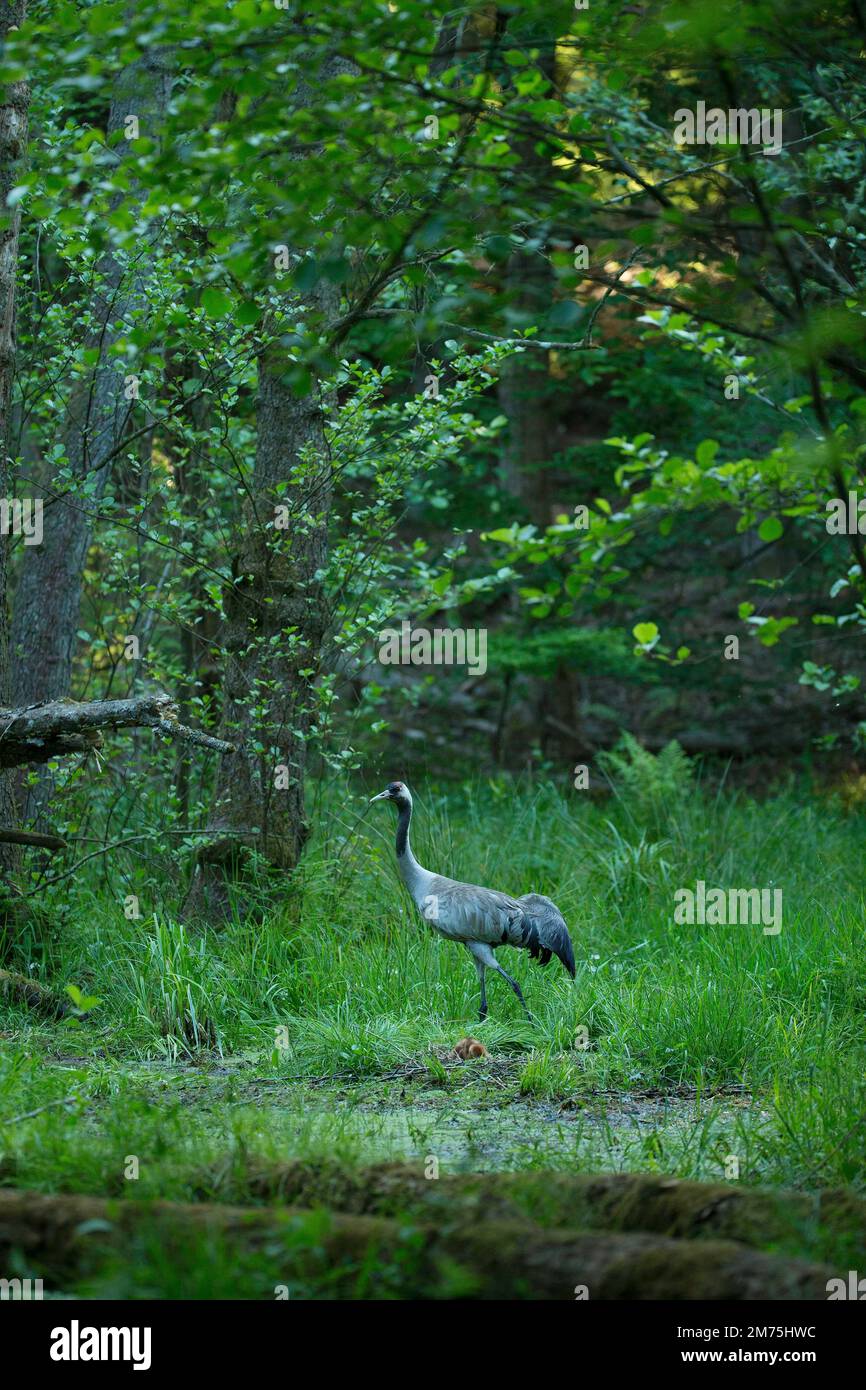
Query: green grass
[{"x": 292, "y": 1035}]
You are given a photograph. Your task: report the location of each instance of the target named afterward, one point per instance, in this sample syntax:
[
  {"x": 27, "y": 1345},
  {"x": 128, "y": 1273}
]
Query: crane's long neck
[{"x": 415, "y": 878}]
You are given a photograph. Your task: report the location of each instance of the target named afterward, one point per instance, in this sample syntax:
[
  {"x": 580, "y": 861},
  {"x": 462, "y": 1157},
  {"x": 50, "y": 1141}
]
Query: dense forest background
[
  {"x": 325, "y": 328},
  {"x": 321, "y": 320}
]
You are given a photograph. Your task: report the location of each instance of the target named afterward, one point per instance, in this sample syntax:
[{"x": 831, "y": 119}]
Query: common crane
[{"x": 480, "y": 918}]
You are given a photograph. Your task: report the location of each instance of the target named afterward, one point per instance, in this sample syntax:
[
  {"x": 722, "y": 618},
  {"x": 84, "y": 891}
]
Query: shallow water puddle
[
  {"x": 515, "y": 1133},
  {"x": 473, "y": 1117}
]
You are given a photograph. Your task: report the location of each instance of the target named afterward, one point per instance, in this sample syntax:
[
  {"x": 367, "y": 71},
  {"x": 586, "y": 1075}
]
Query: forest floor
[
  {"x": 222, "y": 1140},
  {"x": 287, "y": 1065}
]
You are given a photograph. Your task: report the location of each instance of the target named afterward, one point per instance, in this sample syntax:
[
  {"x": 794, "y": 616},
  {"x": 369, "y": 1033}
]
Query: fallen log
[
  {"x": 63, "y": 1238},
  {"x": 60, "y": 727},
  {"x": 608, "y": 1201},
  {"x": 18, "y": 989}
]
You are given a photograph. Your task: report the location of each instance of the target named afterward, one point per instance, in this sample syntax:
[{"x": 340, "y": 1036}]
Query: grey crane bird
[{"x": 480, "y": 919}]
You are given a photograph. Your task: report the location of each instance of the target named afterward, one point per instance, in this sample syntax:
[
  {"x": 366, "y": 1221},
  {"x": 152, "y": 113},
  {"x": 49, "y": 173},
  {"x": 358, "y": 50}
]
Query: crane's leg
[
  {"x": 479, "y": 954},
  {"x": 482, "y": 1012},
  {"x": 515, "y": 986}
]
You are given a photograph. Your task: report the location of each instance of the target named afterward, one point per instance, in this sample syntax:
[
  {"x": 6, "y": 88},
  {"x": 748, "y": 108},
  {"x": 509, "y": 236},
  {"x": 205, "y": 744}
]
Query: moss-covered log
[
  {"x": 66, "y": 1238},
  {"x": 18, "y": 989},
  {"x": 606, "y": 1201}
]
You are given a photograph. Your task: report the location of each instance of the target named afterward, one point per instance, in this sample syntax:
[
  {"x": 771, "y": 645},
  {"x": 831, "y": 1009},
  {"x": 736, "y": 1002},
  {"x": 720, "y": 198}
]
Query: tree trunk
[
  {"x": 275, "y": 623},
  {"x": 13, "y": 144},
  {"x": 525, "y": 387},
  {"x": 274, "y": 627},
  {"x": 525, "y": 390},
  {"x": 49, "y": 591}
]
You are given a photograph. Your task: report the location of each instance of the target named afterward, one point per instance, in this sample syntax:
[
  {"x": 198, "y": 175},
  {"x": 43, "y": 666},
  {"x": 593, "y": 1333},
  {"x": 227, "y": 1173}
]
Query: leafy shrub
[{"x": 647, "y": 782}]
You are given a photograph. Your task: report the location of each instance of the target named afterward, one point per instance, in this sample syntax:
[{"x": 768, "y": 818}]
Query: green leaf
[
  {"x": 770, "y": 529},
  {"x": 82, "y": 1002},
  {"x": 645, "y": 633},
  {"x": 706, "y": 452},
  {"x": 215, "y": 303},
  {"x": 440, "y": 584}
]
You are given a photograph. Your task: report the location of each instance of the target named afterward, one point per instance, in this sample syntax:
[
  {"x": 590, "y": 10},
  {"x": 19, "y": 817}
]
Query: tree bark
[
  {"x": 525, "y": 390},
  {"x": 33, "y": 839},
  {"x": 272, "y": 638},
  {"x": 60, "y": 727},
  {"x": 48, "y": 598},
  {"x": 525, "y": 387},
  {"x": 14, "y": 105},
  {"x": 274, "y": 628}
]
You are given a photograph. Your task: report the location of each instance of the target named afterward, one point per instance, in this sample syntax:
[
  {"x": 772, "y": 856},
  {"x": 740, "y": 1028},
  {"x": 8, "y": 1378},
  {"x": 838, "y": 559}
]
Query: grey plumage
[{"x": 481, "y": 919}]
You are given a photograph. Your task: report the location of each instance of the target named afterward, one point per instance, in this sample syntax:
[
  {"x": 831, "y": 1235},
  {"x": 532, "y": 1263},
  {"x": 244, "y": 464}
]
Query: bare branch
[
  {"x": 59, "y": 727},
  {"x": 32, "y": 838}
]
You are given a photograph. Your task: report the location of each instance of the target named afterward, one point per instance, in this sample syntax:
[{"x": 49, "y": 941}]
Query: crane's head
[{"x": 395, "y": 791}]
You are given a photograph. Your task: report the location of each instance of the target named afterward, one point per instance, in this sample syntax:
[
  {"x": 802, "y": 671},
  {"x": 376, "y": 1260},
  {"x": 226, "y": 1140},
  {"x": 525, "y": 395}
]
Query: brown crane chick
[{"x": 470, "y": 1047}]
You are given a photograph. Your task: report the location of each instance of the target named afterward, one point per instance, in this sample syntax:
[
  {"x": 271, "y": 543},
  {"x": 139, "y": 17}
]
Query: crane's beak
[{"x": 380, "y": 797}]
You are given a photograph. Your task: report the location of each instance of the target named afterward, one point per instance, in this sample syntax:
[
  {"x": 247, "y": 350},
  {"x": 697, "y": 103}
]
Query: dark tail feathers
[{"x": 545, "y": 932}]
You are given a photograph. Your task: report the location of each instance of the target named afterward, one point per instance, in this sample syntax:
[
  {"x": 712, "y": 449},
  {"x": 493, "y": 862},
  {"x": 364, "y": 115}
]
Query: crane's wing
[
  {"x": 466, "y": 912},
  {"x": 545, "y": 932}
]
